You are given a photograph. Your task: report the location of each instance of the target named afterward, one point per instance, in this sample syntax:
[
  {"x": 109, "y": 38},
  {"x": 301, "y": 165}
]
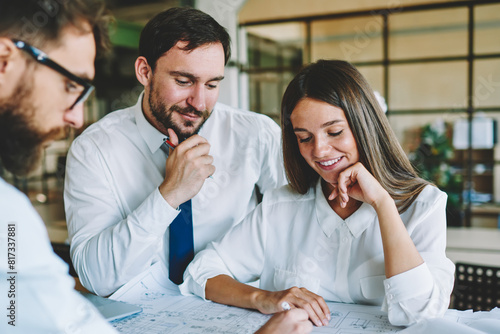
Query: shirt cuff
[
  {"x": 156, "y": 212},
  {"x": 205, "y": 265},
  {"x": 409, "y": 284},
  {"x": 163, "y": 203},
  {"x": 193, "y": 284}
]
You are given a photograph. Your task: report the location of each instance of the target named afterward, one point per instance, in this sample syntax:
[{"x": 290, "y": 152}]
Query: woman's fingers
[
  {"x": 334, "y": 193},
  {"x": 314, "y": 305},
  {"x": 276, "y": 301},
  {"x": 341, "y": 195},
  {"x": 348, "y": 184}
]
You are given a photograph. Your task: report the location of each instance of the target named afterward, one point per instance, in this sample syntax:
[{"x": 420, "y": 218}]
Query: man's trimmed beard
[
  {"x": 164, "y": 116},
  {"x": 21, "y": 142}
]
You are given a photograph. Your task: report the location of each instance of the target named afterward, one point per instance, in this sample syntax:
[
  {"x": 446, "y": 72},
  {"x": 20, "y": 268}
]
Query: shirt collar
[
  {"x": 329, "y": 221},
  {"x": 327, "y": 218},
  {"x": 153, "y": 138}
]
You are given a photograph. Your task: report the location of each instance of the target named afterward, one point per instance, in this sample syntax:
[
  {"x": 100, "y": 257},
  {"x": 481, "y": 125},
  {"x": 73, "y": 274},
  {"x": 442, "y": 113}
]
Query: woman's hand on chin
[{"x": 358, "y": 183}]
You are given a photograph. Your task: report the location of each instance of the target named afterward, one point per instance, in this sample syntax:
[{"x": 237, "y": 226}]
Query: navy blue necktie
[{"x": 181, "y": 244}]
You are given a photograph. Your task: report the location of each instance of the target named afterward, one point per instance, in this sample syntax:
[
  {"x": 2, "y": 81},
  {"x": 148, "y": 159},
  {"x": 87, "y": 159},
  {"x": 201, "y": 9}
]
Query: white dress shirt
[
  {"x": 43, "y": 295},
  {"x": 117, "y": 219},
  {"x": 298, "y": 240}
]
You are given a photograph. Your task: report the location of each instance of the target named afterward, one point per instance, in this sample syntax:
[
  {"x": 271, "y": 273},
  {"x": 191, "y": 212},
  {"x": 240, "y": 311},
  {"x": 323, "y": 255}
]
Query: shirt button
[
  {"x": 390, "y": 296},
  {"x": 388, "y": 285},
  {"x": 344, "y": 240}
]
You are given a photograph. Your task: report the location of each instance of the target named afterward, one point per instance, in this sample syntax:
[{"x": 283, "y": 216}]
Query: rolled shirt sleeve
[
  {"x": 417, "y": 294},
  {"x": 239, "y": 254},
  {"x": 424, "y": 291}
]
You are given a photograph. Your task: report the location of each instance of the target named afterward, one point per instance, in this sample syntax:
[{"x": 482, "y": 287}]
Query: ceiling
[{"x": 141, "y": 11}]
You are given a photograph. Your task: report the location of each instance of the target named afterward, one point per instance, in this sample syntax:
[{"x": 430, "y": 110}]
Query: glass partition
[
  {"x": 375, "y": 77},
  {"x": 352, "y": 39},
  {"x": 433, "y": 33},
  {"x": 428, "y": 85},
  {"x": 487, "y": 29},
  {"x": 438, "y": 86},
  {"x": 486, "y": 89}
]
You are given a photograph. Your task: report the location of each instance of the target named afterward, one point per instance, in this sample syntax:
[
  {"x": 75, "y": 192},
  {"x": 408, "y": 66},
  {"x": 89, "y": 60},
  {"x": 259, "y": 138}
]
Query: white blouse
[{"x": 298, "y": 240}]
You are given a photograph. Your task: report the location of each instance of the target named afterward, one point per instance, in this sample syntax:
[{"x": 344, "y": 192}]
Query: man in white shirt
[
  {"x": 121, "y": 191},
  {"x": 41, "y": 95}
]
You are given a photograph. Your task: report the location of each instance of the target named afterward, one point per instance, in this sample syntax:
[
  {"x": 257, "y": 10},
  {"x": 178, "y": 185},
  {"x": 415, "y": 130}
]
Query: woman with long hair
[{"x": 355, "y": 224}]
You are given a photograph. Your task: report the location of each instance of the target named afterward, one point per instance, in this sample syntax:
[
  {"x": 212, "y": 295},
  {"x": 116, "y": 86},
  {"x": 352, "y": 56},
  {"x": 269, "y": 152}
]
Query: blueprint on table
[{"x": 165, "y": 310}]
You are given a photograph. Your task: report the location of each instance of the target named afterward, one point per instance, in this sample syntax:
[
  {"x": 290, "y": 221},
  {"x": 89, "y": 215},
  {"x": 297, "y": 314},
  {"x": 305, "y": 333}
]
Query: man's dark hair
[
  {"x": 181, "y": 24},
  {"x": 40, "y": 22}
]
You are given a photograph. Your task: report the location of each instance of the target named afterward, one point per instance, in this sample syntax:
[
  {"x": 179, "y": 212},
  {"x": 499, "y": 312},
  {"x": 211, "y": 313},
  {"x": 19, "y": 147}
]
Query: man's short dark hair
[
  {"x": 181, "y": 24},
  {"x": 40, "y": 22}
]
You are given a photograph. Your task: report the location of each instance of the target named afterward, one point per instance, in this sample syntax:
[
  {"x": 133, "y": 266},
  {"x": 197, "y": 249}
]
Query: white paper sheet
[{"x": 165, "y": 310}]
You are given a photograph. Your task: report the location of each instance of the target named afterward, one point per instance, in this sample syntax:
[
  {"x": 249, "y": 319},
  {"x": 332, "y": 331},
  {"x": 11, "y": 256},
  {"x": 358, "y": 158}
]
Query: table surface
[
  {"x": 474, "y": 245},
  {"x": 165, "y": 309},
  {"x": 478, "y": 238}
]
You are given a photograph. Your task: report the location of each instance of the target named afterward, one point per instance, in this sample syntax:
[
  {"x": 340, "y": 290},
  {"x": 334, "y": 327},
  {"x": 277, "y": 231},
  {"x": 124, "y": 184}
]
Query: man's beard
[
  {"x": 21, "y": 142},
  {"x": 164, "y": 116}
]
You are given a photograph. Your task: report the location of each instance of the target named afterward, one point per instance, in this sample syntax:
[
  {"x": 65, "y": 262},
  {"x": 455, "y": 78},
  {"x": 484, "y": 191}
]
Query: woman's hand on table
[
  {"x": 268, "y": 302},
  {"x": 295, "y": 321}
]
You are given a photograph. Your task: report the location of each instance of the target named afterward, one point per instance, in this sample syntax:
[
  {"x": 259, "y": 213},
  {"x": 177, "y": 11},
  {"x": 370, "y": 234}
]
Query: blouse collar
[{"x": 329, "y": 220}]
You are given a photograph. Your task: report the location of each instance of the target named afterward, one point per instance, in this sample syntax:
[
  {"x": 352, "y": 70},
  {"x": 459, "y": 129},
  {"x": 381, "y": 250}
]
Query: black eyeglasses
[{"x": 42, "y": 58}]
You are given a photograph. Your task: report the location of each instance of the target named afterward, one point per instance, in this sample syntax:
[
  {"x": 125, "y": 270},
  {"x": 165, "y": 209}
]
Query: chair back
[{"x": 477, "y": 287}]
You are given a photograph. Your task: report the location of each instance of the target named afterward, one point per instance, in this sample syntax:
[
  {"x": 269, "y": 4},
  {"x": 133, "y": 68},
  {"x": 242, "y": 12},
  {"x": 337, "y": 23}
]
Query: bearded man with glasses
[
  {"x": 41, "y": 96},
  {"x": 75, "y": 85},
  {"x": 58, "y": 92}
]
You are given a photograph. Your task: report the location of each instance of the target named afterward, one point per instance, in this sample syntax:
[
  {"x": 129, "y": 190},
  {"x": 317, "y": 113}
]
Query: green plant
[{"x": 432, "y": 160}]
